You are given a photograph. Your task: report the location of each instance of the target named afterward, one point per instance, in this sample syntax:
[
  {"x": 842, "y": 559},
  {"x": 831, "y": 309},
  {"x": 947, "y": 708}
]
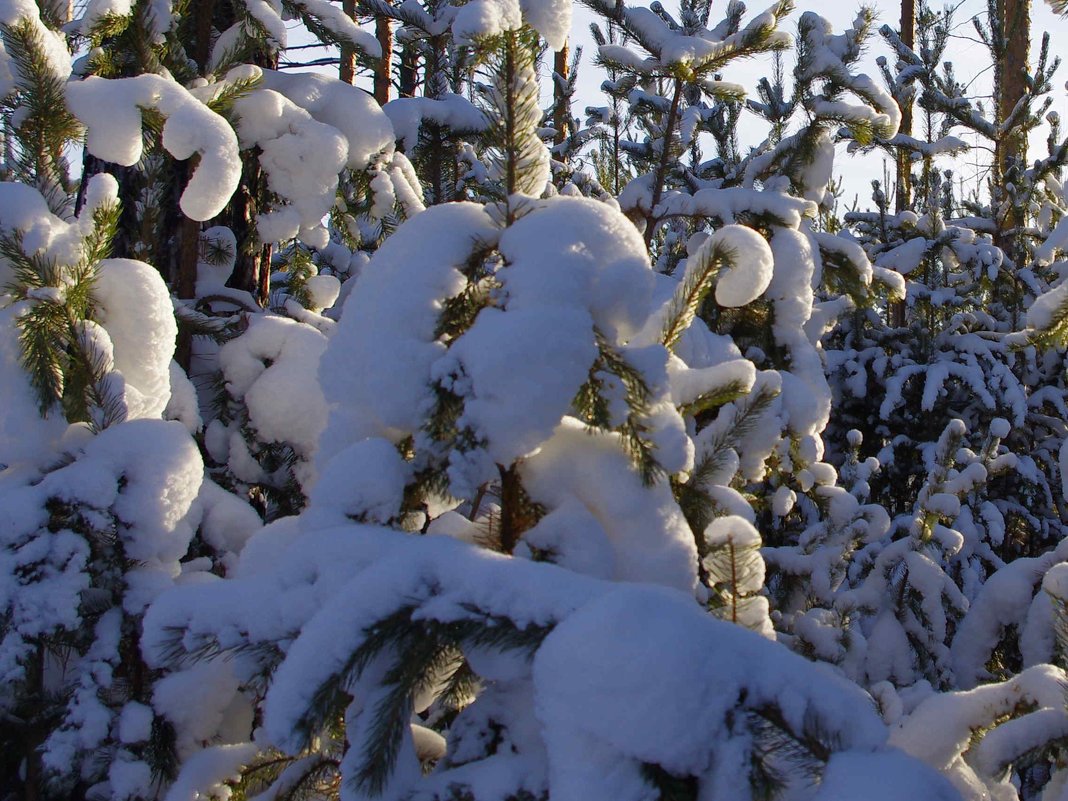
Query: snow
[
  {"x": 272, "y": 368},
  {"x": 375, "y": 371},
  {"x": 693, "y": 672},
  {"x": 887, "y": 775},
  {"x": 751, "y": 264},
  {"x": 483, "y": 19},
  {"x": 134, "y": 306},
  {"x": 649, "y": 537},
  {"x": 110, "y": 109},
  {"x": 455, "y": 112},
  {"x": 364, "y": 481}
]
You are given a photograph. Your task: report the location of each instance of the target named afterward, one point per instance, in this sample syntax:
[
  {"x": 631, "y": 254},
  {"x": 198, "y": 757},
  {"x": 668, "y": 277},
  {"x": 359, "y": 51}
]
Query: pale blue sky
[{"x": 968, "y": 56}]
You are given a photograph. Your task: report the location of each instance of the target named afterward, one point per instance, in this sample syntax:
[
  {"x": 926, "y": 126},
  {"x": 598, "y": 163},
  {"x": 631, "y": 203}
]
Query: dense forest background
[{"x": 397, "y": 403}]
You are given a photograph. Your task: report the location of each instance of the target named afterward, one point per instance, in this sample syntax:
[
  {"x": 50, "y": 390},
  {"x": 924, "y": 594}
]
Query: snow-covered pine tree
[
  {"x": 103, "y": 503},
  {"x": 492, "y": 382}
]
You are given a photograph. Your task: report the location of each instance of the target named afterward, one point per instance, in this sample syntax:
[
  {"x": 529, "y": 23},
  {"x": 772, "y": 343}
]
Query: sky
[
  {"x": 968, "y": 55},
  {"x": 855, "y": 171}
]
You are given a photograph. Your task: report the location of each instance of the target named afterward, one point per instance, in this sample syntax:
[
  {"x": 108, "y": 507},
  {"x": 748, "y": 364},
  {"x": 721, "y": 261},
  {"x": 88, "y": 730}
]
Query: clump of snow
[
  {"x": 111, "y": 111},
  {"x": 134, "y": 306},
  {"x": 751, "y": 264}
]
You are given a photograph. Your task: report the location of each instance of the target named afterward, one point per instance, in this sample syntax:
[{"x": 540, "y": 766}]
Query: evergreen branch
[
  {"x": 715, "y": 398},
  {"x": 701, "y": 274}
]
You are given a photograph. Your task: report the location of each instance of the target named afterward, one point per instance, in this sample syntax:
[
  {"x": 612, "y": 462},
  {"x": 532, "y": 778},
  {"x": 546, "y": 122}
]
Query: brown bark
[
  {"x": 409, "y": 63},
  {"x": 384, "y": 34},
  {"x": 517, "y": 512},
  {"x": 347, "y": 65},
  {"x": 1010, "y": 77},
  {"x": 903, "y": 189},
  {"x": 560, "y": 120},
  {"x": 1010, "y": 85},
  {"x": 904, "y": 160}
]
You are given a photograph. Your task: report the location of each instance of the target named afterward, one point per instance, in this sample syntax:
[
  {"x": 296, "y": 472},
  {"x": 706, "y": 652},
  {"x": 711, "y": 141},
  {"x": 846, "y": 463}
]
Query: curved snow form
[
  {"x": 649, "y": 538},
  {"x": 110, "y": 108},
  {"x": 806, "y": 395},
  {"x": 687, "y": 678},
  {"x": 53, "y": 44},
  {"x": 941, "y": 730},
  {"x": 272, "y": 368},
  {"x": 375, "y": 372},
  {"x": 134, "y": 306},
  {"x": 349, "y": 109},
  {"x": 302, "y": 159},
  {"x": 750, "y": 269}
]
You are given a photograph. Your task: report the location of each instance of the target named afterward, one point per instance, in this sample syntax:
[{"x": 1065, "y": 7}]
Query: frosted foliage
[
  {"x": 649, "y": 537},
  {"x": 53, "y": 44},
  {"x": 272, "y": 368},
  {"x": 111, "y": 111},
  {"x": 23, "y": 209},
  {"x": 134, "y": 306},
  {"x": 751, "y": 265},
  {"x": 25, "y": 437},
  {"x": 550, "y": 18},
  {"x": 302, "y": 159},
  {"x": 375, "y": 372},
  {"x": 520, "y": 367}
]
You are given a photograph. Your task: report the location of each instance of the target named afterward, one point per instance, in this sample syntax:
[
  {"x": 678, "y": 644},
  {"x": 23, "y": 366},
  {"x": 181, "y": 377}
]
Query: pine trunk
[
  {"x": 1010, "y": 85},
  {"x": 560, "y": 121},
  {"x": 384, "y": 34},
  {"x": 903, "y": 188},
  {"x": 347, "y": 65}
]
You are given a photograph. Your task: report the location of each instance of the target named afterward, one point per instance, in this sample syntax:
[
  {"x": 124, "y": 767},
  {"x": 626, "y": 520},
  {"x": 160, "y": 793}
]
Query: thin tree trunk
[
  {"x": 560, "y": 116},
  {"x": 346, "y": 70},
  {"x": 903, "y": 188},
  {"x": 1010, "y": 85},
  {"x": 384, "y": 34}
]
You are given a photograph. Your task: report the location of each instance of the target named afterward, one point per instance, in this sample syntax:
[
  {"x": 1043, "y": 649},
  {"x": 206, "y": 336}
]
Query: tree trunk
[
  {"x": 560, "y": 115},
  {"x": 384, "y": 34},
  {"x": 1010, "y": 152},
  {"x": 1010, "y": 77},
  {"x": 903, "y": 188},
  {"x": 346, "y": 70}
]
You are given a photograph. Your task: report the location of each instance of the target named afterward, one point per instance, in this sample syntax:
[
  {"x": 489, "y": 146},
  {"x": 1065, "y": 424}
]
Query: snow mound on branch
[
  {"x": 375, "y": 373},
  {"x": 111, "y": 111},
  {"x": 134, "y": 306},
  {"x": 574, "y": 267},
  {"x": 885, "y": 775},
  {"x": 272, "y": 367},
  {"x": 301, "y": 156},
  {"x": 649, "y": 537},
  {"x": 347, "y": 108},
  {"x": 683, "y": 676}
]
